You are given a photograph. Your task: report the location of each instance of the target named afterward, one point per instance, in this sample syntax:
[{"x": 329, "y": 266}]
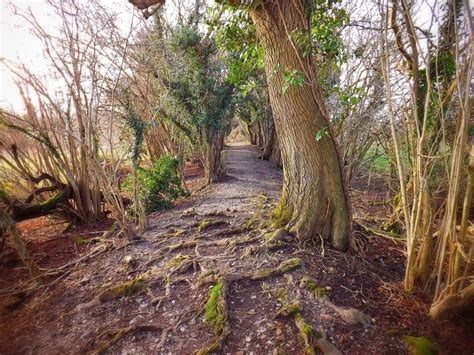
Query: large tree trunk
[
  {"x": 313, "y": 201},
  {"x": 212, "y": 160}
]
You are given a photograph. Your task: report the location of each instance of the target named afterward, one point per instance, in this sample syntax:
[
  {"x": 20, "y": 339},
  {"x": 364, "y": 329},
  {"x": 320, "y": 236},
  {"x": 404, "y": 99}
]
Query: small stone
[
  {"x": 253, "y": 297},
  {"x": 182, "y": 329},
  {"x": 248, "y": 339},
  {"x": 252, "y": 312}
]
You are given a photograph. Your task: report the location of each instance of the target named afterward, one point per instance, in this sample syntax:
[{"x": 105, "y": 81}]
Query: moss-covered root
[
  {"x": 212, "y": 222},
  {"x": 216, "y": 315},
  {"x": 307, "y": 283},
  {"x": 285, "y": 266},
  {"x": 122, "y": 290},
  {"x": 119, "y": 290},
  {"x": 114, "y": 336},
  {"x": 350, "y": 315},
  {"x": 420, "y": 346},
  {"x": 313, "y": 340},
  {"x": 280, "y": 215}
]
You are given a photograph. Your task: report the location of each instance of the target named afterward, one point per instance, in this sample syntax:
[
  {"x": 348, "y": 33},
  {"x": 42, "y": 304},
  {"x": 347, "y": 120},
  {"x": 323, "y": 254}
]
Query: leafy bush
[{"x": 158, "y": 185}]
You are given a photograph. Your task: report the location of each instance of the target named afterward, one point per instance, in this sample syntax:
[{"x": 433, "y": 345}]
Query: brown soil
[{"x": 62, "y": 319}]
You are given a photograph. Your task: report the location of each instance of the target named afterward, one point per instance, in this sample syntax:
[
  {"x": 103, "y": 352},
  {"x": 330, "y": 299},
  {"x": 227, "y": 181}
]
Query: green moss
[
  {"x": 204, "y": 224},
  {"x": 176, "y": 261},
  {"x": 289, "y": 309},
  {"x": 420, "y": 345},
  {"x": 285, "y": 266},
  {"x": 216, "y": 316},
  {"x": 211, "y": 306},
  {"x": 267, "y": 236},
  {"x": 305, "y": 328},
  {"x": 262, "y": 199},
  {"x": 122, "y": 290},
  {"x": 280, "y": 215},
  {"x": 311, "y": 285},
  {"x": 210, "y": 222},
  {"x": 80, "y": 240},
  {"x": 251, "y": 223}
]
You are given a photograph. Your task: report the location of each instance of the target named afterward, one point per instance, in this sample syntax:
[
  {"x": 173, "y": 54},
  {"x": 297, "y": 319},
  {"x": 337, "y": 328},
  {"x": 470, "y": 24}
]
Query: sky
[{"x": 17, "y": 44}]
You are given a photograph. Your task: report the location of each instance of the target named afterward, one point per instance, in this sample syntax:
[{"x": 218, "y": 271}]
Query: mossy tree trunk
[{"x": 313, "y": 202}]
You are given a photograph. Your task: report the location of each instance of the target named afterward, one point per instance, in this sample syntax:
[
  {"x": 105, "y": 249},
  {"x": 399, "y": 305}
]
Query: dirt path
[{"x": 154, "y": 296}]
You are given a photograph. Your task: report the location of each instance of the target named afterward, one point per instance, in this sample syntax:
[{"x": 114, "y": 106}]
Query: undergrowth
[{"x": 158, "y": 185}]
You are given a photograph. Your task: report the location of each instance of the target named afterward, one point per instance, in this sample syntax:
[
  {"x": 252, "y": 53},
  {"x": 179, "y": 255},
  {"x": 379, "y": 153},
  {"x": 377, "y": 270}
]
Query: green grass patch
[{"x": 377, "y": 160}]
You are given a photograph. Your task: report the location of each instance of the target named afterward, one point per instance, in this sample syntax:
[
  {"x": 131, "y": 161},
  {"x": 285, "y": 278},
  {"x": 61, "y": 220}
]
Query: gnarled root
[
  {"x": 452, "y": 305},
  {"x": 116, "y": 335},
  {"x": 313, "y": 340}
]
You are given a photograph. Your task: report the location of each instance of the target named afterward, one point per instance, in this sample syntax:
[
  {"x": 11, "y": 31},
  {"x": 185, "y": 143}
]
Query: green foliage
[
  {"x": 292, "y": 77},
  {"x": 197, "y": 90},
  {"x": 323, "y": 41},
  {"x": 377, "y": 159},
  {"x": 138, "y": 127},
  {"x": 159, "y": 185},
  {"x": 323, "y": 132}
]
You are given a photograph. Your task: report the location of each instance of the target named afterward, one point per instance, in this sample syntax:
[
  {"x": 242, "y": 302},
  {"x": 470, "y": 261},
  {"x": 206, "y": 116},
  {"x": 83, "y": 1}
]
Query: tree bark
[
  {"x": 212, "y": 160},
  {"x": 313, "y": 201}
]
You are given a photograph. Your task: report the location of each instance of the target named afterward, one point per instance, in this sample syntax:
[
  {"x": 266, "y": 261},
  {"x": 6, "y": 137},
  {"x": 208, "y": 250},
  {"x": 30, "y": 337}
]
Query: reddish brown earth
[{"x": 60, "y": 319}]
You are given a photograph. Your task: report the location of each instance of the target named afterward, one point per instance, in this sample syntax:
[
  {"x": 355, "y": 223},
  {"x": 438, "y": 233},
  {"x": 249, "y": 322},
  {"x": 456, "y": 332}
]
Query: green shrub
[{"x": 158, "y": 185}]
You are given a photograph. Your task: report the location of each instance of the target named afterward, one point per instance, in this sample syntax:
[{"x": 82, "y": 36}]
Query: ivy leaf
[
  {"x": 322, "y": 133},
  {"x": 354, "y": 100},
  {"x": 292, "y": 78}
]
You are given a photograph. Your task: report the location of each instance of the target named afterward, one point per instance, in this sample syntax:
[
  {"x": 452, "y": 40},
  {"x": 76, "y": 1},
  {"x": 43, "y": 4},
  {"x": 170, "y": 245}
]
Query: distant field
[{"x": 377, "y": 160}]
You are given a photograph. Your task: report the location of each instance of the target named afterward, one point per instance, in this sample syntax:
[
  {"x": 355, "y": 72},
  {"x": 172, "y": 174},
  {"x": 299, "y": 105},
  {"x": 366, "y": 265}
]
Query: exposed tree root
[
  {"x": 313, "y": 340},
  {"x": 209, "y": 223},
  {"x": 116, "y": 335},
  {"x": 216, "y": 315},
  {"x": 263, "y": 248},
  {"x": 119, "y": 290},
  {"x": 453, "y": 305},
  {"x": 285, "y": 266},
  {"x": 348, "y": 315},
  {"x": 216, "y": 308}
]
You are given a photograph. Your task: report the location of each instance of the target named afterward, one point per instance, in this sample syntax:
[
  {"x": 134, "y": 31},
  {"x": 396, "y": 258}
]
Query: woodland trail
[{"x": 153, "y": 296}]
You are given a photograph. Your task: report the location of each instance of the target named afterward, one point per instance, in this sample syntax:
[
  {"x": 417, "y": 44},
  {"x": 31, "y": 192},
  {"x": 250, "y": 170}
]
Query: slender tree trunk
[
  {"x": 313, "y": 202},
  {"x": 275, "y": 156},
  {"x": 267, "y": 131}
]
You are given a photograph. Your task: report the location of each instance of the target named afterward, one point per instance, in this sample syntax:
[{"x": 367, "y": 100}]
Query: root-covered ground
[{"x": 208, "y": 276}]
